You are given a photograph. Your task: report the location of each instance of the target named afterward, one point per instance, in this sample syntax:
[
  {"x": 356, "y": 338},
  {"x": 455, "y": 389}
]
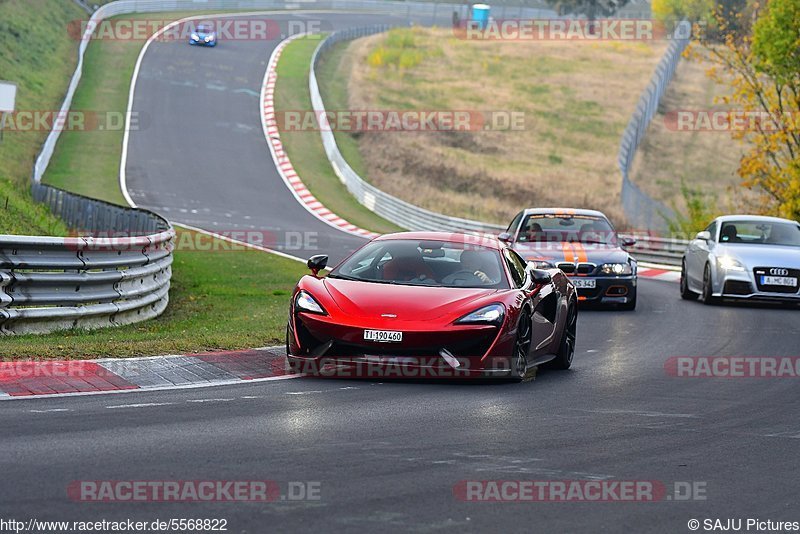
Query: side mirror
[
  {"x": 703, "y": 236},
  {"x": 505, "y": 237},
  {"x": 317, "y": 263},
  {"x": 627, "y": 241},
  {"x": 541, "y": 277}
]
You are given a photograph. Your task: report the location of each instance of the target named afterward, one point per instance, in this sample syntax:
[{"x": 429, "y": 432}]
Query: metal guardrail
[
  {"x": 660, "y": 250},
  {"x": 57, "y": 283},
  {"x": 640, "y": 209}
]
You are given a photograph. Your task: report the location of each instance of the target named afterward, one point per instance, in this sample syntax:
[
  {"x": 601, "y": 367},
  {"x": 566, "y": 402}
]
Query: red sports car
[{"x": 427, "y": 304}]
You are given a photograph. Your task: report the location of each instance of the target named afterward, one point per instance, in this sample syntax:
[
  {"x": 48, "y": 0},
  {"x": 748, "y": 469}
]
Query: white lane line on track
[
  {"x": 139, "y": 405},
  {"x": 210, "y": 400},
  {"x": 238, "y": 242},
  {"x": 51, "y": 410},
  {"x": 640, "y": 413},
  {"x": 123, "y": 179}
]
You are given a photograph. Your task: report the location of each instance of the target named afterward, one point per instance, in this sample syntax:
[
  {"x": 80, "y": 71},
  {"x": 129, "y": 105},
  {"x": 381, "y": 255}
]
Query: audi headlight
[
  {"x": 195, "y": 37},
  {"x": 730, "y": 264},
  {"x": 617, "y": 269},
  {"x": 491, "y": 314},
  {"x": 540, "y": 264},
  {"x": 305, "y": 302}
]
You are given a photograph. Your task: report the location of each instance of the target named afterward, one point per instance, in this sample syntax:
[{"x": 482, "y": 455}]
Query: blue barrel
[{"x": 480, "y": 15}]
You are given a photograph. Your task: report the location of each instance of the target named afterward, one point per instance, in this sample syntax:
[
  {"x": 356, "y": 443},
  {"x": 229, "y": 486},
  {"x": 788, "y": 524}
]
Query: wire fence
[{"x": 641, "y": 210}]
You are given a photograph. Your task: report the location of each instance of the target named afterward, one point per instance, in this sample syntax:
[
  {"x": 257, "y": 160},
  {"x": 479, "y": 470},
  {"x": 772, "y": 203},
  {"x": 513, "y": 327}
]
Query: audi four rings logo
[{"x": 779, "y": 272}]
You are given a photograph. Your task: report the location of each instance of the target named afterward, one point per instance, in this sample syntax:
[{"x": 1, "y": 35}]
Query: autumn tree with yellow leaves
[{"x": 762, "y": 68}]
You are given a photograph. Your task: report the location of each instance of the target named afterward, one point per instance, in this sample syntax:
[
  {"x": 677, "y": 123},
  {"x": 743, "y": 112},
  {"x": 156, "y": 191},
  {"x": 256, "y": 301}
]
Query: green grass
[
  {"x": 225, "y": 299},
  {"x": 333, "y": 89},
  {"x": 39, "y": 56},
  {"x": 305, "y": 147}
]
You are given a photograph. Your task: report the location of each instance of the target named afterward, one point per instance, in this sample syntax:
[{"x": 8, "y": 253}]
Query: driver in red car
[{"x": 482, "y": 267}]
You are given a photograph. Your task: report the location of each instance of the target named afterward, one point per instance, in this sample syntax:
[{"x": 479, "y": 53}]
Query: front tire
[
  {"x": 708, "y": 293},
  {"x": 566, "y": 350},
  {"x": 686, "y": 293},
  {"x": 519, "y": 360}
]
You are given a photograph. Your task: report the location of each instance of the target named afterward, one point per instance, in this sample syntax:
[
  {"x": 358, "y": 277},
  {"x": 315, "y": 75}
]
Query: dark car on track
[
  {"x": 584, "y": 245},
  {"x": 430, "y": 304}
]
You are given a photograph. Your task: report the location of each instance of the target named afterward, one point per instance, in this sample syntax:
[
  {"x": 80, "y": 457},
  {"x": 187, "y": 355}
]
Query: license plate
[
  {"x": 584, "y": 283},
  {"x": 383, "y": 336},
  {"x": 788, "y": 281}
]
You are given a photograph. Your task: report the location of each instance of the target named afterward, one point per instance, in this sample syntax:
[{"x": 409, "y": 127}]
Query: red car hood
[
  {"x": 572, "y": 252},
  {"x": 408, "y": 303}
]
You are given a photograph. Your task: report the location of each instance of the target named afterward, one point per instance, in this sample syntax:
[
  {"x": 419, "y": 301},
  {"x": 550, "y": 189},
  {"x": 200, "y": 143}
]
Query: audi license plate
[
  {"x": 584, "y": 283},
  {"x": 383, "y": 336},
  {"x": 788, "y": 281}
]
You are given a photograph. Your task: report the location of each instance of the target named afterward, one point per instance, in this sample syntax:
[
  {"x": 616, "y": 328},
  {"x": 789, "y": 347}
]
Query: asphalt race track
[{"x": 387, "y": 455}]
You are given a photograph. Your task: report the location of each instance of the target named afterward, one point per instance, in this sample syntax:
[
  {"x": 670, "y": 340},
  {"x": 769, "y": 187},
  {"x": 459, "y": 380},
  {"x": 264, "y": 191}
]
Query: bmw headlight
[
  {"x": 491, "y": 314},
  {"x": 195, "y": 37},
  {"x": 305, "y": 302},
  {"x": 540, "y": 264},
  {"x": 730, "y": 264},
  {"x": 617, "y": 269}
]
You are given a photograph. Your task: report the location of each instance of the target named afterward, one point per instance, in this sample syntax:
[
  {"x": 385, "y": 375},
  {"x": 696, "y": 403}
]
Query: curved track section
[{"x": 203, "y": 160}]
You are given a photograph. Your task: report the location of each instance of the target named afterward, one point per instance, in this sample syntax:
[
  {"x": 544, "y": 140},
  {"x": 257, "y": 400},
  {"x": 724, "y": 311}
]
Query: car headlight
[
  {"x": 730, "y": 264},
  {"x": 540, "y": 264},
  {"x": 491, "y": 314},
  {"x": 209, "y": 38},
  {"x": 195, "y": 37},
  {"x": 617, "y": 269},
  {"x": 305, "y": 302}
]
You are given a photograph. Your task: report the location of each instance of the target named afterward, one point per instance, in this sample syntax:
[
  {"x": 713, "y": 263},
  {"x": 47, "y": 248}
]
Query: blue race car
[{"x": 203, "y": 35}]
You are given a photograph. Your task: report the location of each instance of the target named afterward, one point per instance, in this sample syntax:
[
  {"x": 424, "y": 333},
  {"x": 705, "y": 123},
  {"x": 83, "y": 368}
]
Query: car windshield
[
  {"x": 557, "y": 228},
  {"x": 760, "y": 233},
  {"x": 425, "y": 263},
  {"x": 202, "y": 28}
]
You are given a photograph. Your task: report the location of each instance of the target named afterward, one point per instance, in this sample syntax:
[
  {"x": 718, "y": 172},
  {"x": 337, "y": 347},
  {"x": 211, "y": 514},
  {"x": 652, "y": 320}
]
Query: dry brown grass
[
  {"x": 577, "y": 98},
  {"x": 706, "y": 160}
]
